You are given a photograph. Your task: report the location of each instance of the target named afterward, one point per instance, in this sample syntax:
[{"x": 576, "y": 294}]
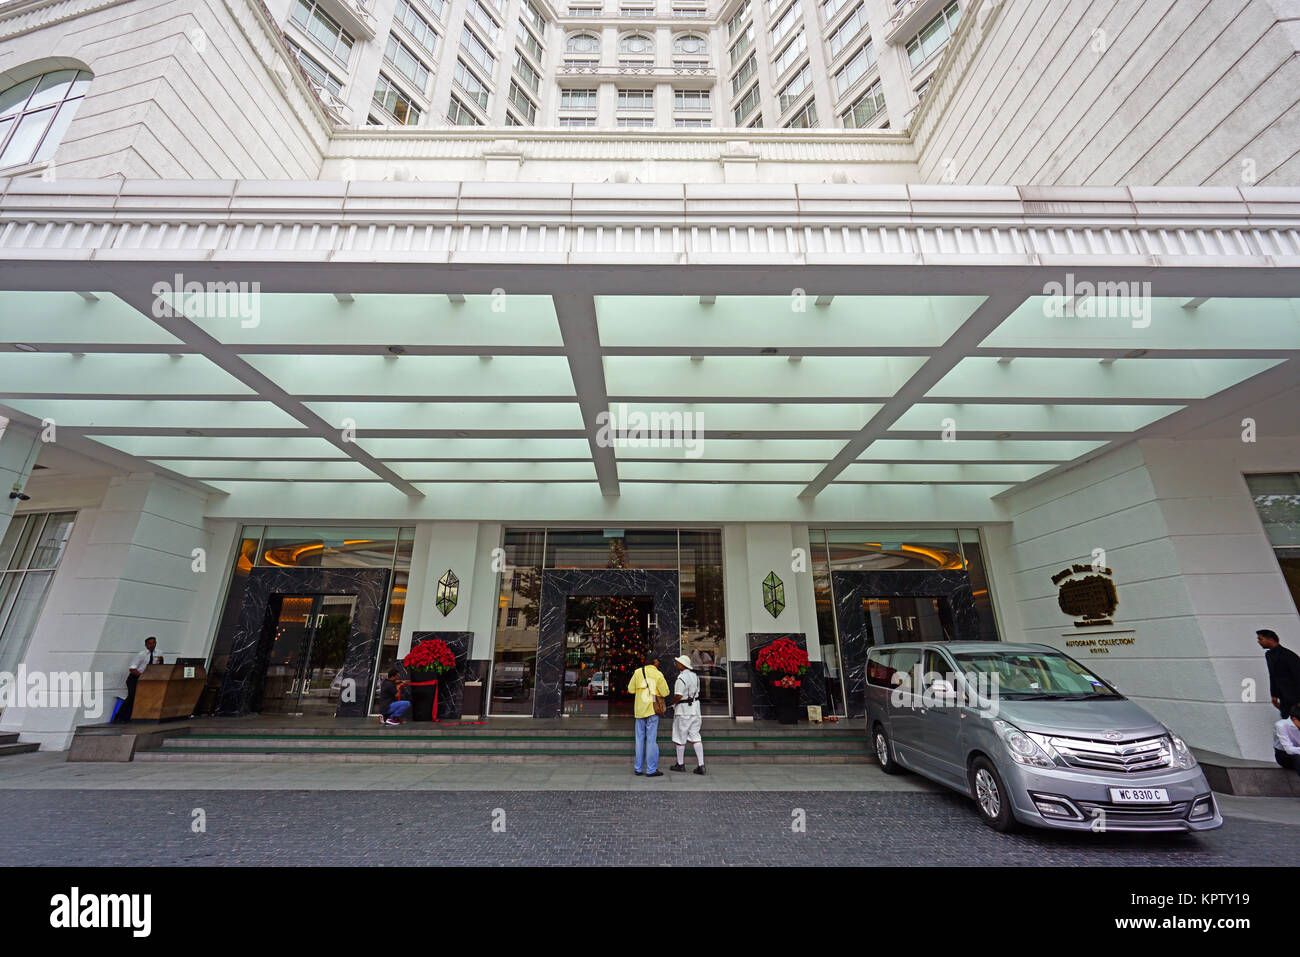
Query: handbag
[{"x": 660, "y": 705}]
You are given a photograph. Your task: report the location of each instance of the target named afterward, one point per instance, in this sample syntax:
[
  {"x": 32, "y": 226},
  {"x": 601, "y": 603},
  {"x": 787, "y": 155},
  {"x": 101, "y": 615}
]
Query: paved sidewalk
[{"x": 49, "y": 770}]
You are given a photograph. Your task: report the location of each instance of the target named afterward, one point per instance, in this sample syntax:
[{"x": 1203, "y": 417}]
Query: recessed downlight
[
  {"x": 25, "y": 347},
  {"x": 193, "y": 432},
  {"x": 397, "y": 350}
]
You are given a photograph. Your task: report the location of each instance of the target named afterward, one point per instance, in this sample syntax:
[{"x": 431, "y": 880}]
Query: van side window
[
  {"x": 936, "y": 666},
  {"x": 907, "y": 662},
  {"x": 879, "y": 672}
]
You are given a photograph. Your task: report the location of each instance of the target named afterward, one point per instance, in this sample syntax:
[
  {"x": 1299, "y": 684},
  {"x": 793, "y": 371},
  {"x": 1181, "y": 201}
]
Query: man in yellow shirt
[{"x": 647, "y": 681}]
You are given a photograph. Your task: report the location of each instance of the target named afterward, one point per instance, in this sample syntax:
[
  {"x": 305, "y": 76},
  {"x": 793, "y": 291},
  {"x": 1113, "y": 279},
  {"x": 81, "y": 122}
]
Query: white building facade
[{"x": 327, "y": 328}]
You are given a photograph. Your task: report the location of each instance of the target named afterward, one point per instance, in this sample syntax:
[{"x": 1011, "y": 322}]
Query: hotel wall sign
[{"x": 1086, "y": 593}]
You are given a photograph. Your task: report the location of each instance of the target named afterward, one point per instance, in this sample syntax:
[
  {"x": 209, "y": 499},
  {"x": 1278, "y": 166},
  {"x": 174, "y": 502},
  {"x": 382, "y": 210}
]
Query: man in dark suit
[{"x": 1283, "y": 672}]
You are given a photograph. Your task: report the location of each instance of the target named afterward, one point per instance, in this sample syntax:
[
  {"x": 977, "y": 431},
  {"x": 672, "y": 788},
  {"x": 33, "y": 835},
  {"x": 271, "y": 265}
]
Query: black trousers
[{"x": 124, "y": 713}]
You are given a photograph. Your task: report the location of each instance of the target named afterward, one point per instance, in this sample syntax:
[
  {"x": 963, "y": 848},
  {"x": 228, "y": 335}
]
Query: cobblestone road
[{"x": 282, "y": 827}]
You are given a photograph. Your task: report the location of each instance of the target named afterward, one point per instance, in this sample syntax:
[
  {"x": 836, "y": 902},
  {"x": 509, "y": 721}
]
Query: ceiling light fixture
[
  {"x": 193, "y": 432},
  {"x": 397, "y": 350},
  {"x": 24, "y": 347}
]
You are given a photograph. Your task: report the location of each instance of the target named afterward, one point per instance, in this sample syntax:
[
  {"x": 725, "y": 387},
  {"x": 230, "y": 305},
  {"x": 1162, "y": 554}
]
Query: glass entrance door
[
  {"x": 908, "y": 618},
  {"x": 309, "y": 647},
  {"x": 606, "y": 640}
]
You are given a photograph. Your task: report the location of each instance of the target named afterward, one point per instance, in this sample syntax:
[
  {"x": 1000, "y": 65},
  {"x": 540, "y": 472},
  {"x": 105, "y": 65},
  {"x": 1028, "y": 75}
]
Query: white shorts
[{"x": 686, "y": 728}]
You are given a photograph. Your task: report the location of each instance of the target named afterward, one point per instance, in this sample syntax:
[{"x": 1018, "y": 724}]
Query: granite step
[
  {"x": 413, "y": 742},
  {"x": 713, "y": 755},
  {"x": 13, "y": 747}
]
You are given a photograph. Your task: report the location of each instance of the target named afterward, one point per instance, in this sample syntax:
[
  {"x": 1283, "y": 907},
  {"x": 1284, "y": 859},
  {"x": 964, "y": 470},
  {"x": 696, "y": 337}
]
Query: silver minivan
[{"x": 1033, "y": 736}]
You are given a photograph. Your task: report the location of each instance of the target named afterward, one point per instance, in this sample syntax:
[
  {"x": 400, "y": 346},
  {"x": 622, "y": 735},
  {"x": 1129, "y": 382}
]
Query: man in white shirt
[
  {"x": 686, "y": 715},
  {"x": 1286, "y": 740},
  {"x": 141, "y": 661}
]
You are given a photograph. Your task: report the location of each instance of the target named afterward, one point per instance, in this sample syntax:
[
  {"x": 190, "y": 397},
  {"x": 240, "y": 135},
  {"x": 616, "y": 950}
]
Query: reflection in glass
[
  {"x": 894, "y": 549},
  {"x": 704, "y": 623},
  {"x": 514, "y": 663}
]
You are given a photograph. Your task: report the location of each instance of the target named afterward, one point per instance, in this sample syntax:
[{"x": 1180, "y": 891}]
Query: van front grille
[{"x": 1122, "y": 757}]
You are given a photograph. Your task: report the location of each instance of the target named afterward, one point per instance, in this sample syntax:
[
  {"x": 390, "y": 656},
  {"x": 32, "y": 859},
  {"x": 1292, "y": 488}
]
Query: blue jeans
[
  {"x": 398, "y": 710},
  {"x": 647, "y": 744}
]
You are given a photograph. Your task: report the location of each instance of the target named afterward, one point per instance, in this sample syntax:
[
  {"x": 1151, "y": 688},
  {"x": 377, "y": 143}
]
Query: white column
[{"x": 19, "y": 447}]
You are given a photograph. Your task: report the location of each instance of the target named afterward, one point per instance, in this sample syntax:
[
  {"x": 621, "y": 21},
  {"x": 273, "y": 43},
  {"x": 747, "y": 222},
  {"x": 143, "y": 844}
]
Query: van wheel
[
  {"x": 990, "y": 796},
  {"x": 880, "y": 743}
]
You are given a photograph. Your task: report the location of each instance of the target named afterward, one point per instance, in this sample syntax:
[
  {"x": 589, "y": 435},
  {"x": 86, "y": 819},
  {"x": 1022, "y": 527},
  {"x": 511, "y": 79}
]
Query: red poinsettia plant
[
  {"x": 789, "y": 681},
  {"x": 782, "y": 659},
  {"x": 431, "y": 655}
]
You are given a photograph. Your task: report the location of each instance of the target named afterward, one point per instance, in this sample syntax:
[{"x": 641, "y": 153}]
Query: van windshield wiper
[{"x": 1086, "y": 695}]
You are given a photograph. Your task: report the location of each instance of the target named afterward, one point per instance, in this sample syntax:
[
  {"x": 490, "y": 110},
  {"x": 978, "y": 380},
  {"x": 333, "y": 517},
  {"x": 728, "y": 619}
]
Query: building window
[
  {"x": 691, "y": 100},
  {"x": 582, "y": 43},
  {"x": 853, "y": 25},
  {"x": 1277, "y": 501},
  {"x": 530, "y": 42},
  {"x": 416, "y": 25},
  {"x": 485, "y": 20},
  {"x": 519, "y": 99},
  {"x": 29, "y": 555},
  {"x": 577, "y": 99},
  {"x": 786, "y": 23},
  {"x": 577, "y": 122},
  {"x": 586, "y": 12},
  {"x": 468, "y": 81},
  {"x": 742, "y": 76},
  {"x": 407, "y": 63},
  {"x": 830, "y": 8},
  {"x": 804, "y": 118},
  {"x": 475, "y": 48},
  {"x": 855, "y": 69},
  {"x": 740, "y": 46},
  {"x": 324, "y": 29},
  {"x": 317, "y": 73},
  {"x": 734, "y": 23},
  {"x": 535, "y": 15},
  {"x": 932, "y": 36},
  {"x": 458, "y": 114},
  {"x": 691, "y": 46},
  {"x": 866, "y": 108},
  {"x": 795, "y": 88},
  {"x": 692, "y": 123},
  {"x": 636, "y": 44},
  {"x": 635, "y": 122},
  {"x": 391, "y": 98},
  {"x": 636, "y": 99},
  {"x": 793, "y": 51},
  {"x": 638, "y": 12},
  {"x": 689, "y": 12},
  {"x": 527, "y": 73},
  {"x": 747, "y": 104}
]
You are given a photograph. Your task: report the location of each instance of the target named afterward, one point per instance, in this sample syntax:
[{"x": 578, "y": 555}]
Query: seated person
[
  {"x": 392, "y": 709},
  {"x": 1286, "y": 741}
]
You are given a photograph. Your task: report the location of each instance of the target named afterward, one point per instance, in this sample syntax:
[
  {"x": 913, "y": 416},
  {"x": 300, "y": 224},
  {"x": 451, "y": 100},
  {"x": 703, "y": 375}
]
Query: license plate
[{"x": 1139, "y": 795}]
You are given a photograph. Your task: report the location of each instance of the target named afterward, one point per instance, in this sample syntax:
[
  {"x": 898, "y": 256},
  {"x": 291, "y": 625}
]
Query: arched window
[
  {"x": 636, "y": 44},
  {"x": 582, "y": 43},
  {"x": 690, "y": 45},
  {"x": 35, "y": 113}
]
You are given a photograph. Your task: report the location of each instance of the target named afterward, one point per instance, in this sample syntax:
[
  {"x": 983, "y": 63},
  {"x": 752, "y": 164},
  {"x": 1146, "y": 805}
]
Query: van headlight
[
  {"x": 1023, "y": 748},
  {"x": 1183, "y": 756}
]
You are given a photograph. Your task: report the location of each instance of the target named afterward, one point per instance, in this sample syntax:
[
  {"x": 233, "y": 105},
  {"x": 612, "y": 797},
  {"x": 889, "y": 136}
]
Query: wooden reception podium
[{"x": 167, "y": 692}]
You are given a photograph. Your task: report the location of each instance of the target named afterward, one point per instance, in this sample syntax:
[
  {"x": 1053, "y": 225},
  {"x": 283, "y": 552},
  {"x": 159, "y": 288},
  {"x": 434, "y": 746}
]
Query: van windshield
[{"x": 1033, "y": 674}]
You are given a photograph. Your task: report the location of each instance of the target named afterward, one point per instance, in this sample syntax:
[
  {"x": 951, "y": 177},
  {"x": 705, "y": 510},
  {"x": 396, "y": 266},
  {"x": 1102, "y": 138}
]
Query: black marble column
[
  {"x": 851, "y": 587},
  {"x": 812, "y": 689},
  {"x": 559, "y": 583},
  {"x": 246, "y": 667},
  {"x": 451, "y": 691}
]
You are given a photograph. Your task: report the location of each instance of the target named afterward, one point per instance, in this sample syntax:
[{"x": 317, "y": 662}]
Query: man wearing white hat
[{"x": 686, "y": 714}]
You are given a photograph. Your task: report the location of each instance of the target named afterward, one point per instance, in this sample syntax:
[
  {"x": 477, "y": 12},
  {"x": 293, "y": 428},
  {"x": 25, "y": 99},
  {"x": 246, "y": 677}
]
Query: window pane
[
  {"x": 53, "y": 87},
  {"x": 22, "y": 619},
  {"x": 60, "y": 126},
  {"x": 15, "y": 529},
  {"x": 27, "y": 542},
  {"x": 1277, "y": 499},
  {"x": 29, "y": 133},
  {"x": 53, "y": 540},
  {"x": 894, "y": 549},
  {"x": 13, "y": 99},
  {"x": 515, "y": 658},
  {"x": 329, "y": 547}
]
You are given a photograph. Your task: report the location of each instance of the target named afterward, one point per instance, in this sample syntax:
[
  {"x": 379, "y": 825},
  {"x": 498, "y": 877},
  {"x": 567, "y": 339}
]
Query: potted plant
[
  {"x": 426, "y": 664},
  {"x": 782, "y": 664}
]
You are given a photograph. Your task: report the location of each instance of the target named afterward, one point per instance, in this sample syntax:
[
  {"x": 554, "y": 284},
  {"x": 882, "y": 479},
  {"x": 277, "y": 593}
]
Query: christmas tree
[{"x": 623, "y": 644}]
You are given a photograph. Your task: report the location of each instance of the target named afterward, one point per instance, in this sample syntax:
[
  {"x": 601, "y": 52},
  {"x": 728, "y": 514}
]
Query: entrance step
[
  {"x": 9, "y": 745},
  {"x": 452, "y": 745}
]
